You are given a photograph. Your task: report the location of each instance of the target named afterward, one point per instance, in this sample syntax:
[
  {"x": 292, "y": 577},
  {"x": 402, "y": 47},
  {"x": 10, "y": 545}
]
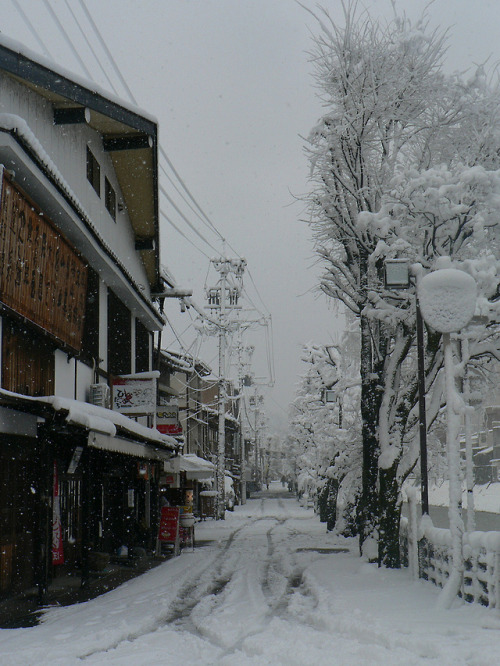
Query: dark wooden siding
[
  {"x": 27, "y": 361},
  {"x": 41, "y": 276},
  {"x": 17, "y": 515}
]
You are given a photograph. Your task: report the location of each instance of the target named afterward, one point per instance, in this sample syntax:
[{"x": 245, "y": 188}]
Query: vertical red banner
[
  {"x": 57, "y": 540},
  {"x": 169, "y": 524}
]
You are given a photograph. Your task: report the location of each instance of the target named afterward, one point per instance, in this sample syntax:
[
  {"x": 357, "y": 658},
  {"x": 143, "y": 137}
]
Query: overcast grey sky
[{"x": 230, "y": 83}]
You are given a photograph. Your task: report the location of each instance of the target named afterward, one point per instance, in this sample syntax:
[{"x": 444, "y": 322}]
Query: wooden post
[
  {"x": 86, "y": 500},
  {"x": 43, "y": 537}
]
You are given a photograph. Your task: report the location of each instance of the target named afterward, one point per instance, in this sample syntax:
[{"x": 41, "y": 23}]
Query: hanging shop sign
[
  {"x": 167, "y": 418},
  {"x": 57, "y": 537},
  {"x": 135, "y": 394},
  {"x": 41, "y": 276}
]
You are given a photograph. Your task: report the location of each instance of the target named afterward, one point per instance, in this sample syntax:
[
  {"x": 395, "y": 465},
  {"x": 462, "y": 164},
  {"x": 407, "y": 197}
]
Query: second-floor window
[
  {"x": 110, "y": 198},
  {"x": 93, "y": 171}
]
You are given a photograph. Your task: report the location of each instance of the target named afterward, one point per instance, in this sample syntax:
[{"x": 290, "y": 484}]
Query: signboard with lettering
[
  {"x": 134, "y": 395},
  {"x": 167, "y": 418},
  {"x": 41, "y": 276},
  {"x": 169, "y": 524}
]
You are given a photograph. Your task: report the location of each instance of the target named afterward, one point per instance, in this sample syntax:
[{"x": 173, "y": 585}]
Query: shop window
[
  {"x": 93, "y": 172},
  {"x": 110, "y": 199}
]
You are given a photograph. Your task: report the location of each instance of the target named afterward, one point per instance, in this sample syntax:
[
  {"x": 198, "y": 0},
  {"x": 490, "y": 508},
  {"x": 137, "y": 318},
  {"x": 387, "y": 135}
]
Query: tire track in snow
[{"x": 264, "y": 575}]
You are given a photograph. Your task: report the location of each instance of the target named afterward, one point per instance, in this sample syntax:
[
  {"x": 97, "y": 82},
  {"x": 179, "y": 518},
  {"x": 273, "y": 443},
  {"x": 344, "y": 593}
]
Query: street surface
[{"x": 268, "y": 585}]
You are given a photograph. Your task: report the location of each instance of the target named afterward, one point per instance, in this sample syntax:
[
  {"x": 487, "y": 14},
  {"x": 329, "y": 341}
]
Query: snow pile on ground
[
  {"x": 486, "y": 497},
  {"x": 268, "y": 585}
]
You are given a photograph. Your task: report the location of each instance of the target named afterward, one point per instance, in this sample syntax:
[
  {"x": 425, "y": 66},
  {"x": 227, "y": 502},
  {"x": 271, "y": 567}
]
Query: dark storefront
[{"x": 68, "y": 493}]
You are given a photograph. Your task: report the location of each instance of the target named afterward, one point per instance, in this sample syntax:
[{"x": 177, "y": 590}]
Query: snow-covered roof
[
  {"x": 81, "y": 81},
  {"x": 214, "y": 412},
  {"x": 190, "y": 462},
  {"x": 120, "y": 125},
  {"x": 91, "y": 417},
  {"x": 186, "y": 362},
  {"x": 193, "y": 466}
]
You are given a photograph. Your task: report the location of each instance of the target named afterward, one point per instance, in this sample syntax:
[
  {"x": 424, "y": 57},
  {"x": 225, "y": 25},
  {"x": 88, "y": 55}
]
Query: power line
[
  {"x": 161, "y": 150},
  {"x": 91, "y": 48},
  {"x": 66, "y": 37},
  {"x": 185, "y": 188},
  {"x": 188, "y": 204},
  {"x": 165, "y": 217},
  {"x": 32, "y": 29},
  {"x": 186, "y": 220},
  {"x": 107, "y": 51}
]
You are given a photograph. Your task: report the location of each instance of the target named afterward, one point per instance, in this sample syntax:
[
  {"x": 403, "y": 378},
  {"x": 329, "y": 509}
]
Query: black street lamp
[{"x": 397, "y": 276}]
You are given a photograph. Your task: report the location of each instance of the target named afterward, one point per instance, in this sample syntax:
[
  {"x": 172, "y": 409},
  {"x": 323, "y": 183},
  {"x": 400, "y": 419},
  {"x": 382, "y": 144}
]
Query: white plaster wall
[
  {"x": 67, "y": 147},
  {"x": 64, "y": 375},
  {"x": 85, "y": 377}
]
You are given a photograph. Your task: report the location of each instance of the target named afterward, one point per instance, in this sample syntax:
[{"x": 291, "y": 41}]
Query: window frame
[
  {"x": 110, "y": 198},
  {"x": 93, "y": 172}
]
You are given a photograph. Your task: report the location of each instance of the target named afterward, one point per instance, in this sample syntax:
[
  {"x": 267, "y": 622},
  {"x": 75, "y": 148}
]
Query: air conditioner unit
[{"x": 100, "y": 395}]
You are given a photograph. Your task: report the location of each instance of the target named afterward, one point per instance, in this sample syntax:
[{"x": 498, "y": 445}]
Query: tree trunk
[
  {"x": 390, "y": 515},
  {"x": 331, "y": 504},
  {"x": 322, "y": 503},
  {"x": 370, "y": 404}
]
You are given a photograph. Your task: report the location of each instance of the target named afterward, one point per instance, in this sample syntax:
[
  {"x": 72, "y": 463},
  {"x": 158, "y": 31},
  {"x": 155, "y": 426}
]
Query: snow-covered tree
[
  {"x": 326, "y": 435},
  {"x": 404, "y": 164}
]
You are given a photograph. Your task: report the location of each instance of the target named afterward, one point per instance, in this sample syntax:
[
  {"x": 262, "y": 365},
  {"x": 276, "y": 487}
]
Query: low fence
[{"x": 428, "y": 555}]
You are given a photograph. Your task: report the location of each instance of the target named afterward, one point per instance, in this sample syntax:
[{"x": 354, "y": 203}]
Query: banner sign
[
  {"x": 134, "y": 395},
  {"x": 57, "y": 538},
  {"x": 169, "y": 524}
]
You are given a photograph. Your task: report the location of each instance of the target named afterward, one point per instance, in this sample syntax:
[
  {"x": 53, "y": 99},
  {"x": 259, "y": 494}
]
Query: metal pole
[
  {"x": 452, "y": 587},
  {"x": 422, "y": 421},
  {"x": 221, "y": 447},
  {"x": 469, "y": 464}
]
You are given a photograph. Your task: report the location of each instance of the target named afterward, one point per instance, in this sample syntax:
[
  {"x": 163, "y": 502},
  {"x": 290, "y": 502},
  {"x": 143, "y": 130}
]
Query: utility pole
[
  {"x": 244, "y": 379},
  {"x": 223, "y": 298}
]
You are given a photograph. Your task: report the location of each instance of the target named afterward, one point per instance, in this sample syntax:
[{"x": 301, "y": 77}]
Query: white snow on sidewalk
[{"x": 266, "y": 590}]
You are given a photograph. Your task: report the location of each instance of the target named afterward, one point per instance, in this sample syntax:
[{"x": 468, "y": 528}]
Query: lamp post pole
[
  {"x": 422, "y": 419},
  {"x": 448, "y": 299},
  {"x": 397, "y": 276}
]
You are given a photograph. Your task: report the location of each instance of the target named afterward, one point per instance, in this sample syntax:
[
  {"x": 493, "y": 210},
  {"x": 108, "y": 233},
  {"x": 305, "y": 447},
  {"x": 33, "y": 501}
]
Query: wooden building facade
[{"x": 79, "y": 270}]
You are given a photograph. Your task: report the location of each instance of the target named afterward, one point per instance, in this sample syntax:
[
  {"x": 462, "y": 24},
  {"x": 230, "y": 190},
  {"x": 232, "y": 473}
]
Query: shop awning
[
  {"x": 195, "y": 468},
  {"x": 105, "y": 424},
  {"x": 125, "y": 446}
]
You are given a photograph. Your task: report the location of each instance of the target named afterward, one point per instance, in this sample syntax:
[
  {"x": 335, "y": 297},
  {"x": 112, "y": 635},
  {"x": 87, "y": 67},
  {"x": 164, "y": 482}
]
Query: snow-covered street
[{"x": 266, "y": 586}]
